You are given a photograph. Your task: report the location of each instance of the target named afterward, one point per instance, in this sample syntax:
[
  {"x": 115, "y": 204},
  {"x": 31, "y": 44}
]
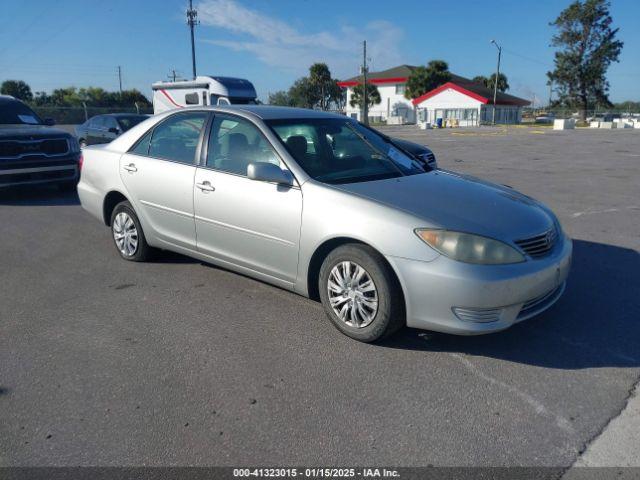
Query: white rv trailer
[{"x": 204, "y": 90}]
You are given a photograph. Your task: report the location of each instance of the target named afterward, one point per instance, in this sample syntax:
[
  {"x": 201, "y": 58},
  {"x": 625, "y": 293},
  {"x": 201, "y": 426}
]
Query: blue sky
[{"x": 81, "y": 42}]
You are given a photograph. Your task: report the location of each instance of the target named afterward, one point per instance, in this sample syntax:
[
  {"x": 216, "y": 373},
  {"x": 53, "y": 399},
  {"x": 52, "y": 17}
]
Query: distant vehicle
[
  {"x": 105, "y": 128},
  {"x": 546, "y": 118},
  {"x": 321, "y": 205},
  {"x": 421, "y": 152},
  {"x": 204, "y": 90},
  {"x": 604, "y": 117},
  {"x": 32, "y": 152}
]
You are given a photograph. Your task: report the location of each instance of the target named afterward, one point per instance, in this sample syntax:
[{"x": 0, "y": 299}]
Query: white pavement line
[
  {"x": 608, "y": 210},
  {"x": 537, "y": 406},
  {"x": 619, "y": 443}
]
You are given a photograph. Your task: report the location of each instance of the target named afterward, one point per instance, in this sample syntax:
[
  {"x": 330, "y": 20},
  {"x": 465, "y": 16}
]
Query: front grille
[
  {"x": 540, "y": 245},
  {"x": 48, "y": 147},
  {"x": 540, "y": 303}
]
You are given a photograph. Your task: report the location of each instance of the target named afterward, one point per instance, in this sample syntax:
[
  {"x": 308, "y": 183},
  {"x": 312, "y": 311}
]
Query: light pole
[{"x": 495, "y": 83}]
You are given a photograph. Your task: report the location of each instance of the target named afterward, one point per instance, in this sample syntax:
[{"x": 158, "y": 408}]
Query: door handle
[
  {"x": 206, "y": 186},
  {"x": 130, "y": 168}
]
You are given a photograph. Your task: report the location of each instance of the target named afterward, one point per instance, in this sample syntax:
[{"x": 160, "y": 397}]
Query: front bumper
[
  {"x": 30, "y": 173},
  {"x": 485, "y": 298}
]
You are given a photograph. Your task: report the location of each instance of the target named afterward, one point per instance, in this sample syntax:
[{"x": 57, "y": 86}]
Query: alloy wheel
[
  {"x": 352, "y": 294},
  {"x": 125, "y": 234}
]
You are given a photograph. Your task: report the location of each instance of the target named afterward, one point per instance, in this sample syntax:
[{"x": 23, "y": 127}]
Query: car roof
[{"x": 270, "y": 112}]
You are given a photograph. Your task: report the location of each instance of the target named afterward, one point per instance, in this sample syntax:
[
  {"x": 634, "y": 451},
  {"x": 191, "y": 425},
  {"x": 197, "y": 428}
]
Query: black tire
[
  {"x": 390, "y": 314},
  {"x": 143, "y": 251}
]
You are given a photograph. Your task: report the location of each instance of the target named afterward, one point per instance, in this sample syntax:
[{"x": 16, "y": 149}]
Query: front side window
[
  {"x": 177, "y": 137},
  {"x": 235, "y": 143},
  {"x": 336, "y": 150}
]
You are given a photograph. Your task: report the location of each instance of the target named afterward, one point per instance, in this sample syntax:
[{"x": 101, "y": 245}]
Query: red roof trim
[
  {"x": 452, "y": 86},
  {"x": 374, "y": 81}
]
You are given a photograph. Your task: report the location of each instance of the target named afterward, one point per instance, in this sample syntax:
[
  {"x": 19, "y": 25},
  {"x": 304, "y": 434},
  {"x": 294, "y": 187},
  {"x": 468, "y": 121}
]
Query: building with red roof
[{"x": 460, "y": 101}]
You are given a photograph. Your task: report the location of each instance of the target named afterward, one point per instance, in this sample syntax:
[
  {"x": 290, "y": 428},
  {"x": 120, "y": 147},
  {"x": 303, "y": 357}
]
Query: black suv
[{"x": 31, "y": 151}]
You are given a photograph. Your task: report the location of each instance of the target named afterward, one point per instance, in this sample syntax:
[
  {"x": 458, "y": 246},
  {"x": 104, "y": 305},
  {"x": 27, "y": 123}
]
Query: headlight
[{"x": 469, "y": 248}]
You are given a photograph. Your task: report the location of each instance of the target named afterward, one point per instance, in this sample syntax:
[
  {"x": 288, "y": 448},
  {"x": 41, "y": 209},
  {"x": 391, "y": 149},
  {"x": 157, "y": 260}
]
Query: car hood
[
  {"x": 452, "y": 201},
  {"x": 31, "y": 132}
]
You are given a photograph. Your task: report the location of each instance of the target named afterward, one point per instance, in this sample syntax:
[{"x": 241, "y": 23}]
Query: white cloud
[{"x": 277, "y": 44}]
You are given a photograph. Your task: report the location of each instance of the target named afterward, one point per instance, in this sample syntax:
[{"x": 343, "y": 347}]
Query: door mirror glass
[{"x": 268, "y": 172}]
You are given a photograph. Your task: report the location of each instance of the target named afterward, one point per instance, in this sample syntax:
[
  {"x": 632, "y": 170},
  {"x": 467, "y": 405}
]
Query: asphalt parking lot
[{"x": 175, "y": 362}]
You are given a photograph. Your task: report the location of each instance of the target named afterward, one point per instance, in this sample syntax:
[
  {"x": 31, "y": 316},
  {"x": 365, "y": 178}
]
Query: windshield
[
  {"x": 128, "y": 122},
  {"x": 17, "y": 113},
  {"x": 334, "y": 150}
]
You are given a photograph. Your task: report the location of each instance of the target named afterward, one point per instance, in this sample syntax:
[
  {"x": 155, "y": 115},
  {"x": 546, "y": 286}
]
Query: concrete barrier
[
  {"x": 564, "y": 124},
  {"x": 594, "y": 124}
]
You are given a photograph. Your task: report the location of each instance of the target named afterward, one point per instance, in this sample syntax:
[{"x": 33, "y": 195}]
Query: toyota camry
[{"x": 325, "y": 207}]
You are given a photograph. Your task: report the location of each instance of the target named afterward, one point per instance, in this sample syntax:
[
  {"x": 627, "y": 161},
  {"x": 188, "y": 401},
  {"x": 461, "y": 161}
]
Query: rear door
[
  {"x": 249, "y": 223},
  {"x": 158, "y": 173}
]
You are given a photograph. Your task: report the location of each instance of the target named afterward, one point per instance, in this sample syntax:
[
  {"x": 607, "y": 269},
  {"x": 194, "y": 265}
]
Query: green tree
[
  {"x": 321, "y": 81},
  {"x": 425, "y": 79},
  {"x": 303, "y": 94},
  {"x": 280, "y": 98},
  {"x": 18, "y": 89},
  {"x": 503, "y": 83},
  {"x": 357, "y": 97},
  {"x": 587, "y": 46}
]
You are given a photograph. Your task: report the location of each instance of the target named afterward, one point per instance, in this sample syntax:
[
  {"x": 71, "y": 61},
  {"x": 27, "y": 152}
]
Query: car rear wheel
[
  {"x": 360, "y": 293},
  {"x": 128, "y": 235}
]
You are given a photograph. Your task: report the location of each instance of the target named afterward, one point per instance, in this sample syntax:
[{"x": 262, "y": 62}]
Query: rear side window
[
  {"x": 142, "y": 147},
  {"x": 177, "y": 137}
]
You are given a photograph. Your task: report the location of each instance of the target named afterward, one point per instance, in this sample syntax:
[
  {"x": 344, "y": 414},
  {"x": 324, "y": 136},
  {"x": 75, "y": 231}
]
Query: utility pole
[
  {"x": 550, "y": 92},
  {"x": 495, "y": 83},
  {"x": 192, "y": 21},
  {"x": 365, "y": 103},
  {"x": 120, "y": 78}
]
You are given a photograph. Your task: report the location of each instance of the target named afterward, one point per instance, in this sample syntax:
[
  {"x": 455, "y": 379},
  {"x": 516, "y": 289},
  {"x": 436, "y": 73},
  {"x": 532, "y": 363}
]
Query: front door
[
  {"x": 159, "y": 173},
  {"x": 248, "y": 223}
]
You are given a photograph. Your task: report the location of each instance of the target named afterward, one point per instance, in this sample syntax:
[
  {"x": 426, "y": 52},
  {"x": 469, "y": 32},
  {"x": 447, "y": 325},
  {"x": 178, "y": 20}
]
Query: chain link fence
[
  {"x": 78, "y": 115},
  {"x": 529, "y": 115}
]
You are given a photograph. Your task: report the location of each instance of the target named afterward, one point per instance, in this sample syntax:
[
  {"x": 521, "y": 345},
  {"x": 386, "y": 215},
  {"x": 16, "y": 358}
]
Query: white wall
[
  {"x": 393, "y": 104},
  {"x": 451, "y": 99}
]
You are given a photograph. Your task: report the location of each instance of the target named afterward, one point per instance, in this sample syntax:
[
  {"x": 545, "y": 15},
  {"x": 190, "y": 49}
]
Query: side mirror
[
  {"x": 268, "y": 172},
  {"x": 49, "y": 122},
  {"x": 114, "y": 130}
]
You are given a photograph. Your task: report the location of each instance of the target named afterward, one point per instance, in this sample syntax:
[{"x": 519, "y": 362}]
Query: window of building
[{"x": 400, "y": 89}]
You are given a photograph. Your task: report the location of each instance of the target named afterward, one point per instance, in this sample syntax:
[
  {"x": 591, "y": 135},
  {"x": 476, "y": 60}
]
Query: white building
[{"x": 459, "y": 101}]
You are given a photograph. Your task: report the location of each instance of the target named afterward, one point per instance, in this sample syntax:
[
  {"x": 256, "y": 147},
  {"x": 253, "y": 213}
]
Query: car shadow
[
  {"x": 38, "y": 195},
  {"x": 595, "y": 324}
]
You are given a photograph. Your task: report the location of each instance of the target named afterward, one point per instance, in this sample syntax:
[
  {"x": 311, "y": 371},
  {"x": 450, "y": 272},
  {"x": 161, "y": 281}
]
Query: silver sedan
[{"x": 327, "y": 208}]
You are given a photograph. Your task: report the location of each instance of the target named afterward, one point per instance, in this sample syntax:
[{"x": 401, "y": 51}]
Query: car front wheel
[
  {"x": 128, "y": 235},
  {"x": 360, "y": 293}
]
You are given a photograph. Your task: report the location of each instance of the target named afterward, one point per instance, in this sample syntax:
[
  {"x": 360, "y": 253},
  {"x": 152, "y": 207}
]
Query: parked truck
[{"x": 204, "y": 90}]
